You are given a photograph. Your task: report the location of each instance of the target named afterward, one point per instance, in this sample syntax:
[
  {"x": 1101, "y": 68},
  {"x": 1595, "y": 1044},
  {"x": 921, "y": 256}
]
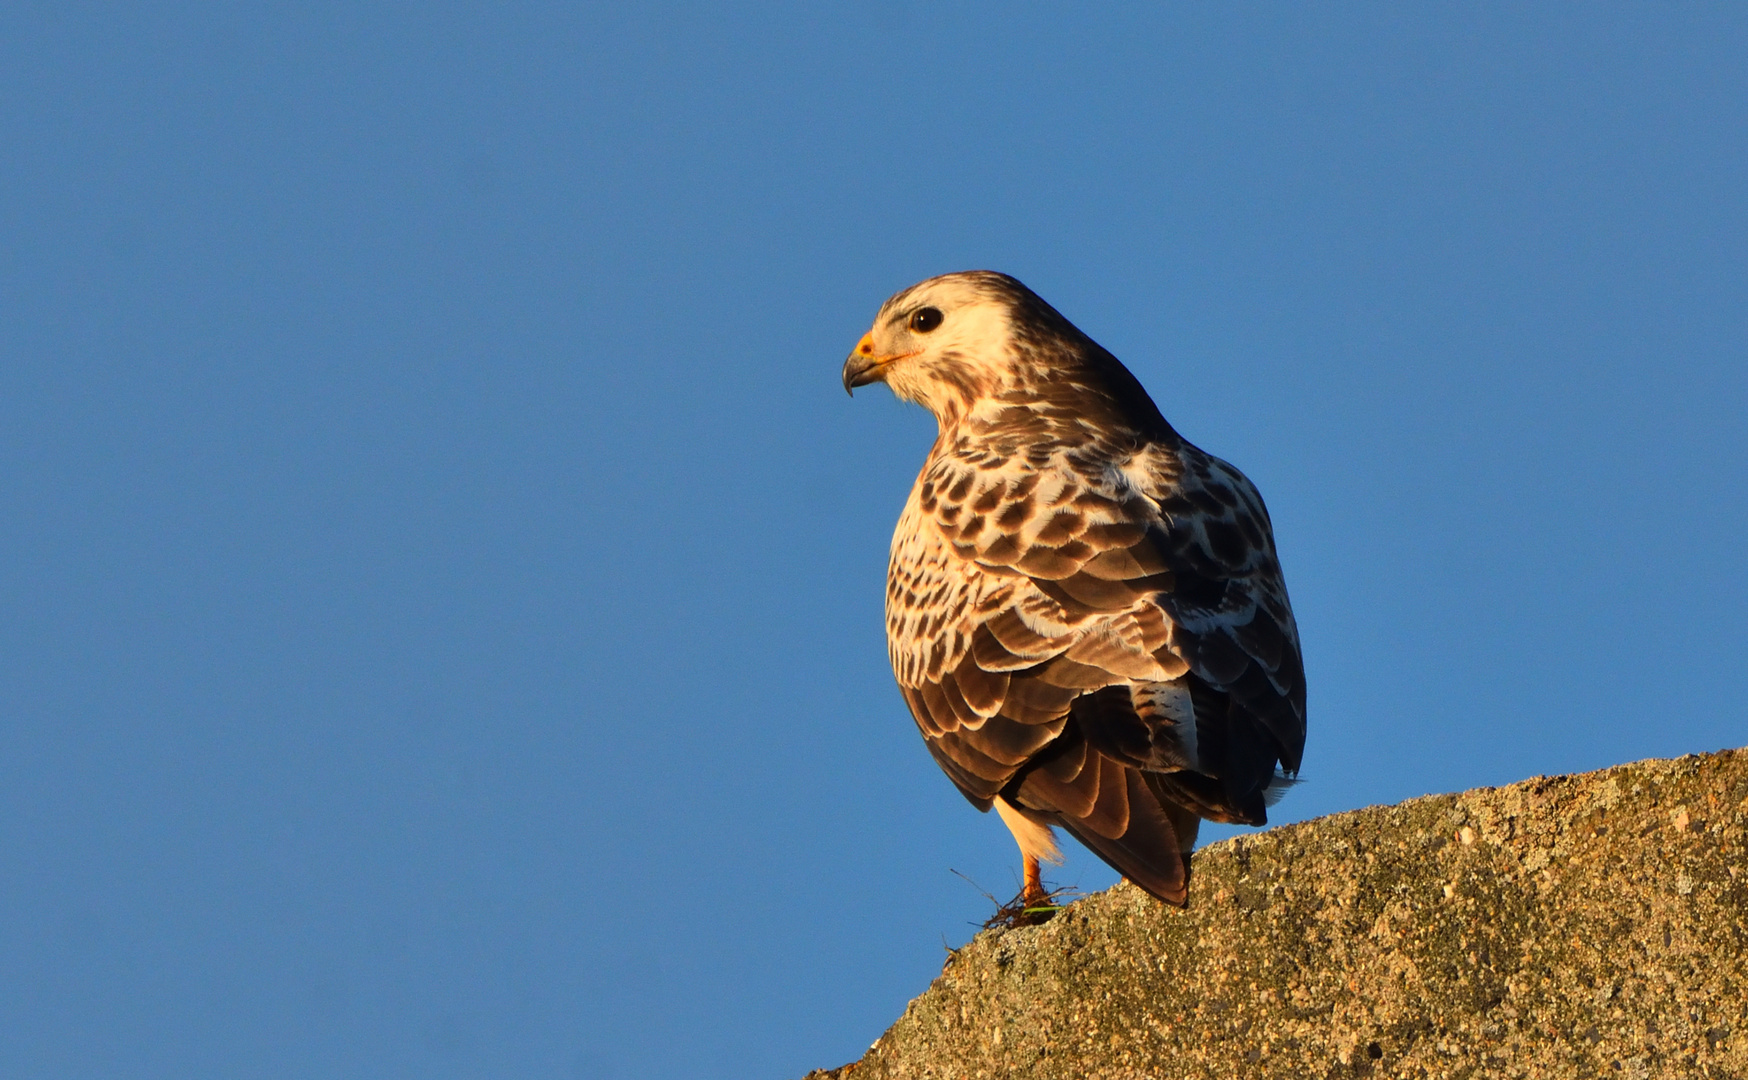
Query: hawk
[{"x": 1084, "y": 611}]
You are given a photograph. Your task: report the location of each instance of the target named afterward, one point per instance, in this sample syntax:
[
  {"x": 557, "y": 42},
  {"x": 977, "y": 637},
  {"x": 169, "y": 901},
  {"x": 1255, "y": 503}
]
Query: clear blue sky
[{"x": 442, "y": 571}]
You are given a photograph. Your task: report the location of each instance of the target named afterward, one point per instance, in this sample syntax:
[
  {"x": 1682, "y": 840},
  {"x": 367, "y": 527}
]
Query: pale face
[{"x": 942, "y": 344}]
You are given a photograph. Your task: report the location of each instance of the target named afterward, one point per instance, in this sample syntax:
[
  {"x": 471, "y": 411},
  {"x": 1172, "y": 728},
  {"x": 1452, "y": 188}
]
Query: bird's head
[{"x": 950, "y": 340}]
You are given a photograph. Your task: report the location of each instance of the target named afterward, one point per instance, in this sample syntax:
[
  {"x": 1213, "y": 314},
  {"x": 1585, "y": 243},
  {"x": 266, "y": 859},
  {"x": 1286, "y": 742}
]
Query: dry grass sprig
[{"x": 1018, "y": 912}]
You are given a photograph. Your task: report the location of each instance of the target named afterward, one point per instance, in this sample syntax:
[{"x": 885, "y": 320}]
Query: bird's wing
[{"x": 1028, "y": 593}]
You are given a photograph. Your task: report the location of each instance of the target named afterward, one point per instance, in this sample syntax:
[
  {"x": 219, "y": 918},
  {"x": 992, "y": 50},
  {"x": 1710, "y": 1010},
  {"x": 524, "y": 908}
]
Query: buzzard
[{"x": 1084, "y": 611}]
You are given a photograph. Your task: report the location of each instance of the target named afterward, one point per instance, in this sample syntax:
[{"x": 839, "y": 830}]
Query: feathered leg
[{"x": 1035, "y": 842}]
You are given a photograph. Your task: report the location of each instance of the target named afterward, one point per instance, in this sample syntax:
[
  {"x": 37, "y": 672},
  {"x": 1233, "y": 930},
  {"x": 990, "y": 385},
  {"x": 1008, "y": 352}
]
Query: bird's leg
[{"x": 1033, "y": 894}]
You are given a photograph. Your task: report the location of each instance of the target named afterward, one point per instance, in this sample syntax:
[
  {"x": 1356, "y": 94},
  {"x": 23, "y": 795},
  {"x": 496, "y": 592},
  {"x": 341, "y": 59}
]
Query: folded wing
[{"x": 1106, "y": 646}]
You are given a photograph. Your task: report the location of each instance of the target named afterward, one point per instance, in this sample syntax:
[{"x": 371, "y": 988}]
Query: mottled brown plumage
[{"x": 1084, "y": 611}]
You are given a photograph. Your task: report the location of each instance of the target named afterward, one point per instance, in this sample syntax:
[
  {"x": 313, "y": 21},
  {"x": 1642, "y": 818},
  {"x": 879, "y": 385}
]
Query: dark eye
[{"x": 922, "y": 320}]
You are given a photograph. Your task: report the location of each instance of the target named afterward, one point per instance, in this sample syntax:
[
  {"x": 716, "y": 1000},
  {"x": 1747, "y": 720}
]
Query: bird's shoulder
[
  {"x": 1023, "y": 487},
  {"x": 1064, "y": 524},
  {"x": 1026, "y": 542}
]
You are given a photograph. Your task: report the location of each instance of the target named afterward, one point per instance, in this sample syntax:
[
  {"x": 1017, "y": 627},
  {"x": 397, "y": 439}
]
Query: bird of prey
[{"x": 1084, "y": 612}]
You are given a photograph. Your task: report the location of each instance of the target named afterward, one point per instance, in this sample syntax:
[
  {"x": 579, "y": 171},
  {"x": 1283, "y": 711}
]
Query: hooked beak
[{"x": 864, "y": 367}]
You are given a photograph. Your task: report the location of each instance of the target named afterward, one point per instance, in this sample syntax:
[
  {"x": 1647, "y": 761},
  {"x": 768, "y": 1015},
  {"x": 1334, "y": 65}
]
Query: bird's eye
[{"x": 922, "y": 320}]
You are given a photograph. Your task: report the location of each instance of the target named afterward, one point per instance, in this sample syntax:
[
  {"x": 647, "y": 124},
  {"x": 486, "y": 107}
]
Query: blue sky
[{"x": 442, "y": 571}]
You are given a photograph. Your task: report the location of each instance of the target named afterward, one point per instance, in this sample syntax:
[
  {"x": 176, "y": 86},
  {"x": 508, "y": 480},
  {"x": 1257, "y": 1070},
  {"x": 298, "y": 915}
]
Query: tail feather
[{"x": 1150, "y": 852}]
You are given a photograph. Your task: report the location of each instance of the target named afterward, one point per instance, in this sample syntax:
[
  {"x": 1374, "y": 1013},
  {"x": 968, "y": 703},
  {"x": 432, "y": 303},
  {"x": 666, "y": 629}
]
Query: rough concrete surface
[{"x": 1575, "y": 926}]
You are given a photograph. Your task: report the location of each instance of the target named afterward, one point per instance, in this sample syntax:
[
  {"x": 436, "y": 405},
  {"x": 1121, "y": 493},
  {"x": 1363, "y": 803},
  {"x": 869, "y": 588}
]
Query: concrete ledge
[{"x": 1575, "y": 926}]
